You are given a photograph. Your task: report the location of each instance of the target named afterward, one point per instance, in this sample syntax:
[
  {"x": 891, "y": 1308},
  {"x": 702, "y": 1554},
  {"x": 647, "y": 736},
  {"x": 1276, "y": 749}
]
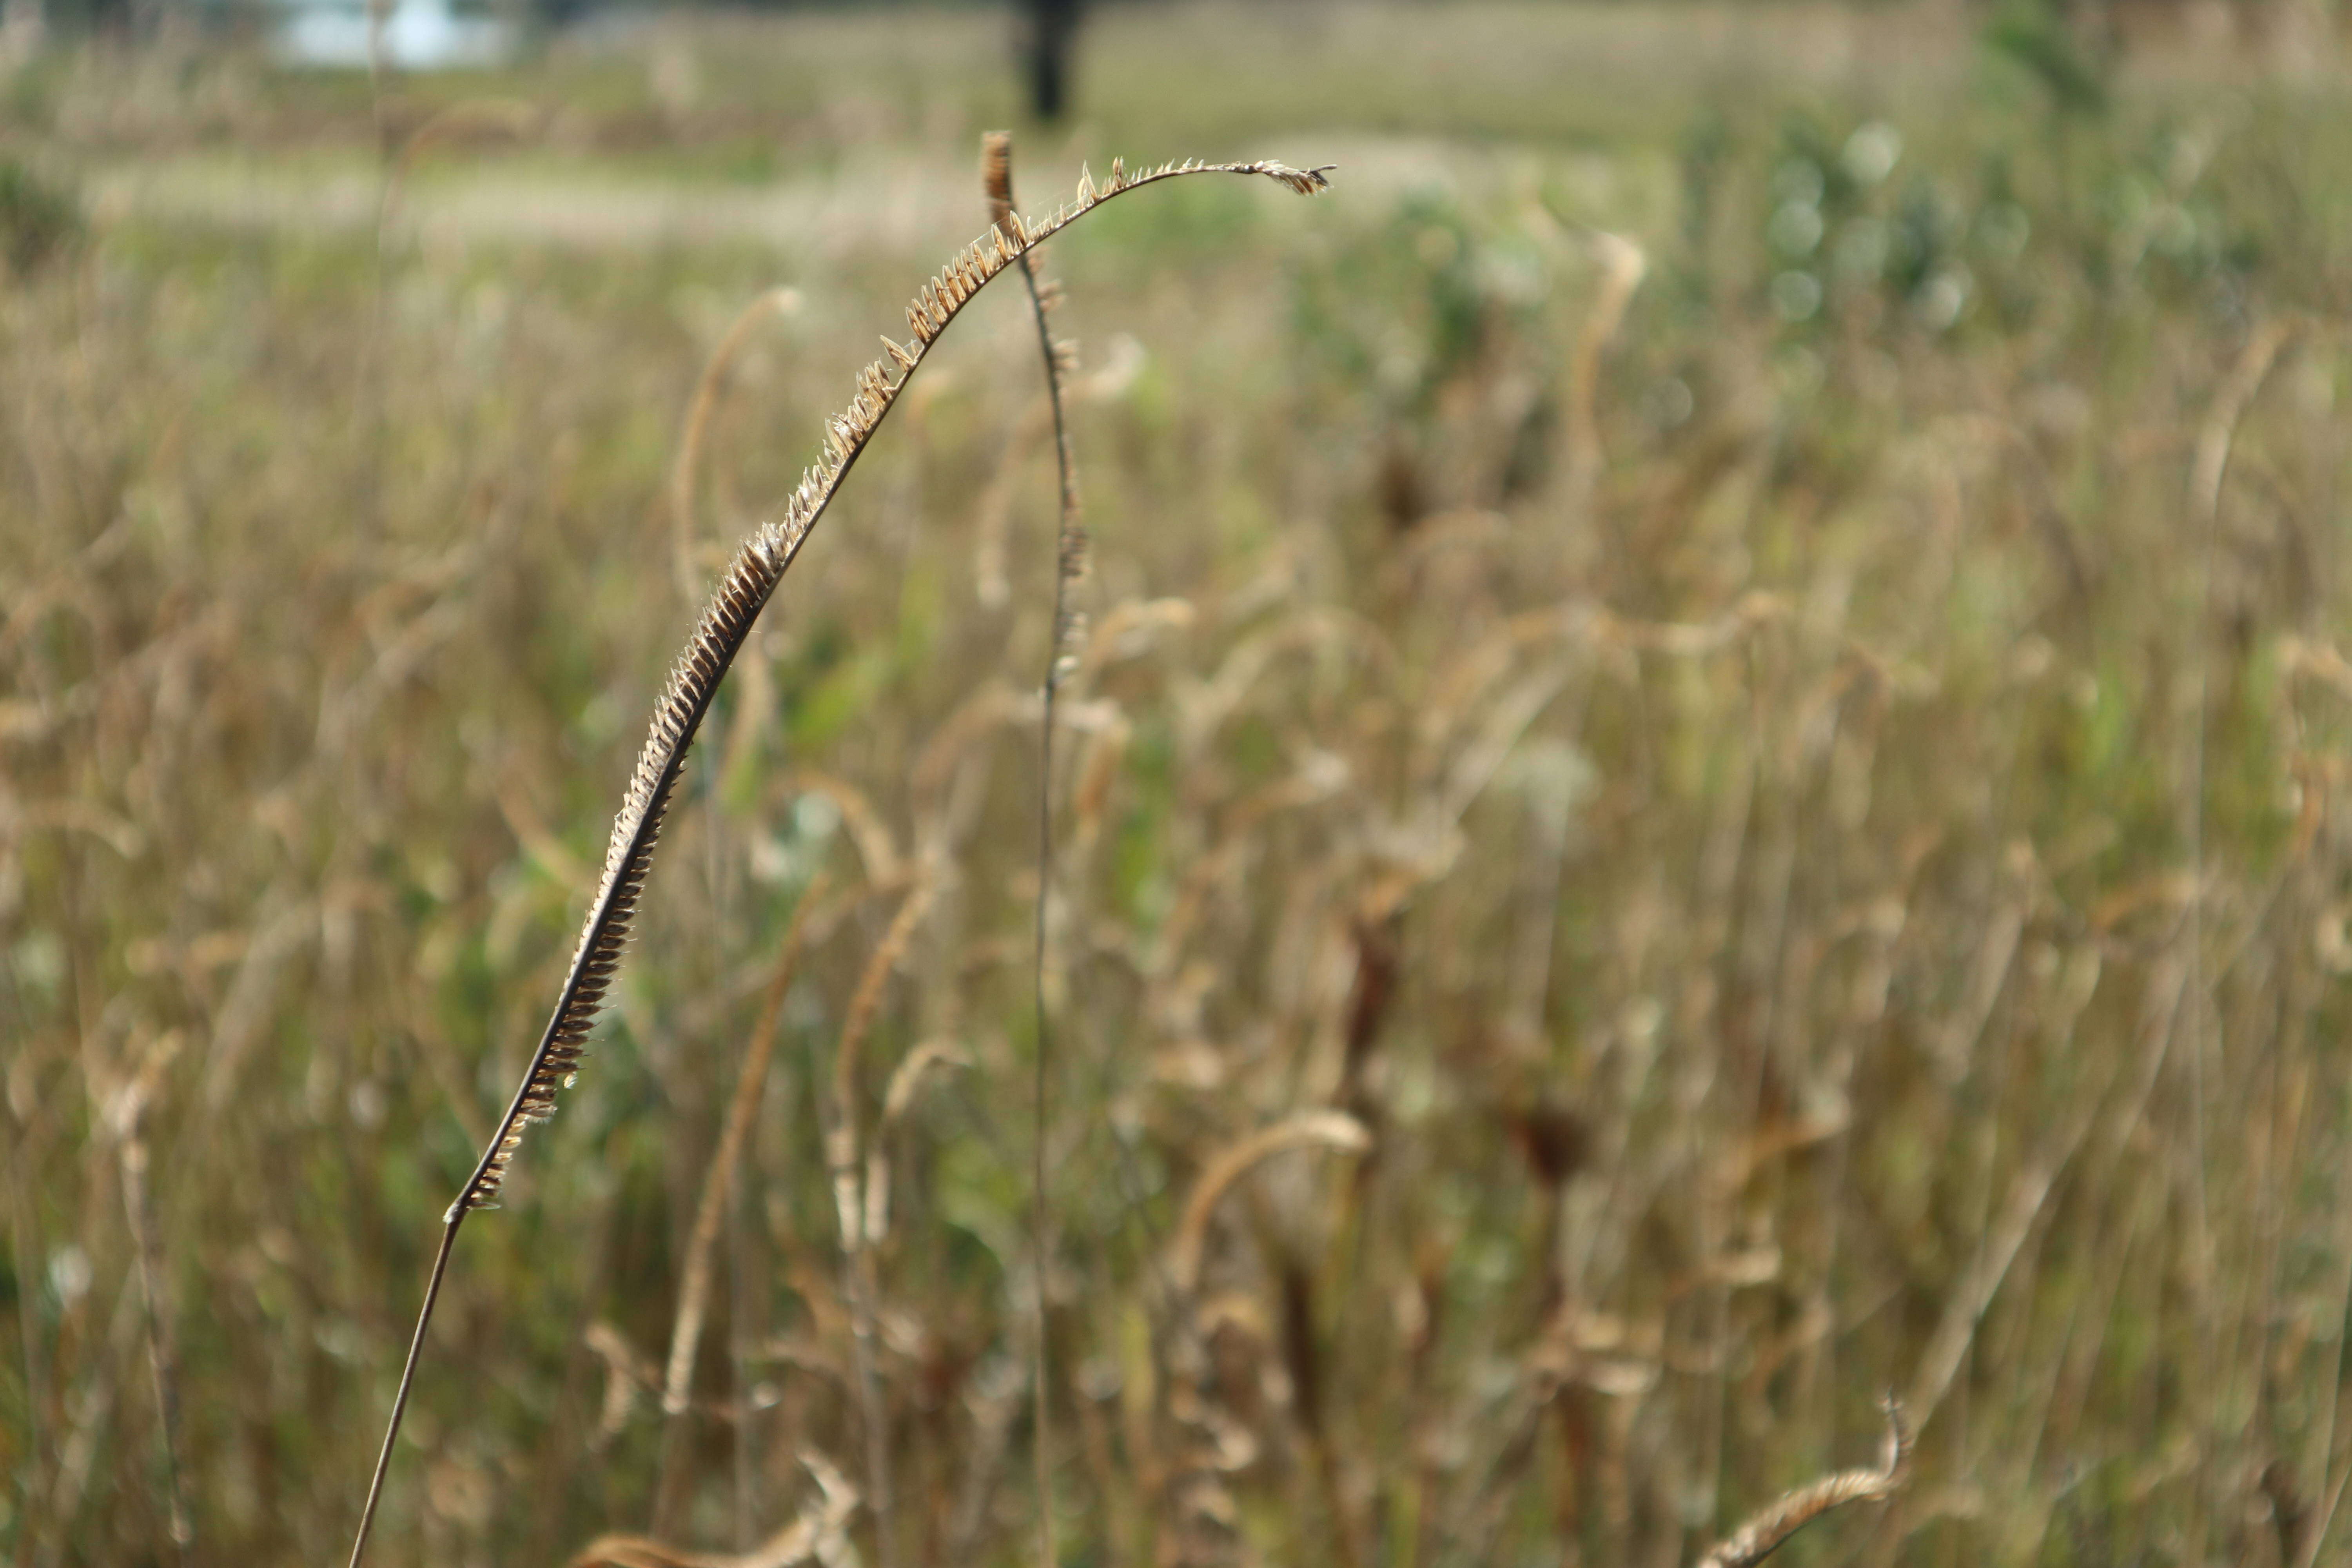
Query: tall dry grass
[
  {"x": 742, "y": 592},
  {"x": 1647, "y": 854}
]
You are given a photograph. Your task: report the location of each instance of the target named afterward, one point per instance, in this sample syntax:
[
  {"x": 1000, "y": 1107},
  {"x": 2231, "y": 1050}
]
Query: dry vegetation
[{"x": 1696, "y": 782}]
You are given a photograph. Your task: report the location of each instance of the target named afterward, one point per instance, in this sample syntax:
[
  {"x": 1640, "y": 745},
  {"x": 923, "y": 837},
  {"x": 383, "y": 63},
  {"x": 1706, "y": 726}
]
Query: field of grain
[{"x": 1695, "y": 782}]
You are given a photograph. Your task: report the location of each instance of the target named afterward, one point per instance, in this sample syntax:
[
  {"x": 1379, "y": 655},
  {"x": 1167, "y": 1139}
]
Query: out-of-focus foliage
[
  {"x": 1734, "y": 649},
  {"x": 37, "y": 218}
]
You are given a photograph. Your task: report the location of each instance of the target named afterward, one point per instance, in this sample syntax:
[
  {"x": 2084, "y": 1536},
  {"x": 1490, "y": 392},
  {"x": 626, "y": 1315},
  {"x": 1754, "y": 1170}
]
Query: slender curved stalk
[
  {"x": 694, "y": 1288},
  {"x": 1069, "y": 564},
  {"x": 780, "y": 301},
  {"x": 735, "y": 604},
  {"x": 407, "y": 1378},
  {"x": 860, "y": 1283},
  {"x": 1765, "y": 1533},
  {"x": 718, "y": 1184}
]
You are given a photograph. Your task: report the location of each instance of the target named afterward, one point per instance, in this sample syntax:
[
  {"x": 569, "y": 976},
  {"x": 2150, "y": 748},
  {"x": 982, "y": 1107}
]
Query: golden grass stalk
[
  {"x": 694, "y": 1290},
  {"x": 878, "y": 850},
  {"x": 741, "y": 592},
  {"x": 1767, "y": 1530},
  {"x": 1308, "y": 1128},
  {"x": 773, "y": 302},
  {"x": 906, "y": 1080},
  {"x": 820, "y": 1534},
  {"x": 626, "y": 1373},
  {"x": 867, "y": 1001},
  {"x": 1622, "y": 265},
  {"x": 1197, "y": 1503},
  {"x": 694, "y": 1284},
  {"x": 840, "y": 1150}
]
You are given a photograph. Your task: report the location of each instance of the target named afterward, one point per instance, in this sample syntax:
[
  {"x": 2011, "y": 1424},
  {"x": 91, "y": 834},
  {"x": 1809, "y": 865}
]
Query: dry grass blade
[
  {"x": 626, "y": 1375},
  {"x": 878, "y": 850},
  {"x": 773, "y": 302},
  {"x": 693, "y": 1291},
  {"x": 842, "y": 1144},
  {"x": 867, "y": 1001},
  {"x": 1308, "y": 1128},
  {"x": 2218, "y": 435},
  {"x": 743, "y": 590},
  {"x": 818, "y": 1535},
  {"x": 1766, "y": 1531},
  {"x": 907, "y": 1081},
  {"x": 1622, "y": 265},
  {"x": 694, "y": 1288}
]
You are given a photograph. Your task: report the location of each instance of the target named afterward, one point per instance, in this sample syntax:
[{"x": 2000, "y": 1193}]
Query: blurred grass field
[{"x": 1735, "y": 646}]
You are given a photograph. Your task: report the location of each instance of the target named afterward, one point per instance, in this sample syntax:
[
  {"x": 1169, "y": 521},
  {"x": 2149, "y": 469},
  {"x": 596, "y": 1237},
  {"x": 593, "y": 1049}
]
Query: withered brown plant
[
  {"x": 742, "y": 592},
  {"x": 1769, "y": 1528},
  {"x": 843, "y": 1144},
  {"x": 694, "y": 1284}
]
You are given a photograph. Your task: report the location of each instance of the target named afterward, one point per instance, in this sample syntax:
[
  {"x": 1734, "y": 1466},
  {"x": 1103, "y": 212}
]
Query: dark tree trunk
[{"x": 1052, "y": 25}]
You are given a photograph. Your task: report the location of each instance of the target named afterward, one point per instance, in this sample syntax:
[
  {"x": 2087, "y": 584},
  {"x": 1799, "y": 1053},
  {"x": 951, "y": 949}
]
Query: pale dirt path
[{"x": 890, "y": 203}]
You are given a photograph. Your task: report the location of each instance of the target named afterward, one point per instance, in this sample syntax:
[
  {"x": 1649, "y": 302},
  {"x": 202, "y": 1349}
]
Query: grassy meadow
[{"x": 1698, "y": 783}]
